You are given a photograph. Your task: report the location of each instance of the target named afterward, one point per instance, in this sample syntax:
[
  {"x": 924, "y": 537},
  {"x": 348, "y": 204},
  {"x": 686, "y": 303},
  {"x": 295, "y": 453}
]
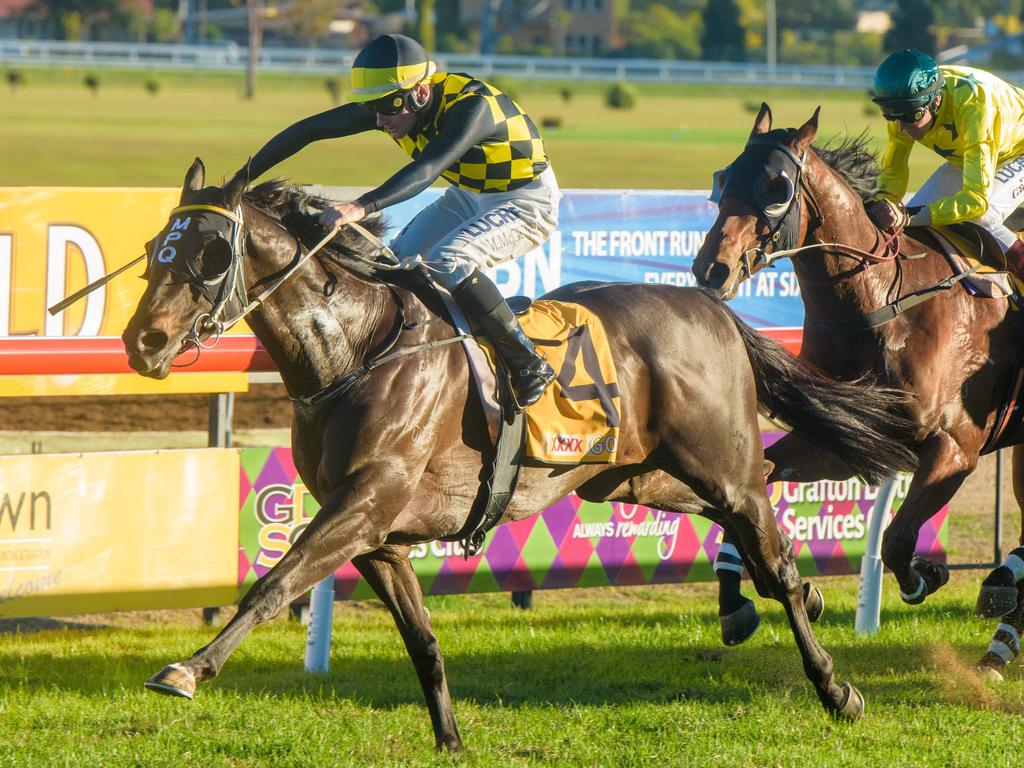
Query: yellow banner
[
  {"x": 118, "y": 531},
  {"x": 54, "y": 241}
]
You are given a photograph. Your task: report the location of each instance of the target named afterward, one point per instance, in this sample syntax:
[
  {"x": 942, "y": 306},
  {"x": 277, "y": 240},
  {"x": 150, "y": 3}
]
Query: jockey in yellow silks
[{"x": 972, "y": 119}]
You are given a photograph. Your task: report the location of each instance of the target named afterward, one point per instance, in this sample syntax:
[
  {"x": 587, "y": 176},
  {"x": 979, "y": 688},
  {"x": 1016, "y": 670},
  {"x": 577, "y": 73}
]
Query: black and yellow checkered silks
[{"x": 509, "y": 158}]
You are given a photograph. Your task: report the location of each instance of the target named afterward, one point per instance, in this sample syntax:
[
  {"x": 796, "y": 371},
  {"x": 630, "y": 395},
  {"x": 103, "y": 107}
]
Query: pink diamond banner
[{"x": 574, "y": 543}]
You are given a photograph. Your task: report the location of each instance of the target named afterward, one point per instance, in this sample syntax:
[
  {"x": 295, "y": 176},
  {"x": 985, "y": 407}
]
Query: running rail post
[
  {"x": 869, "y": 598},
  {"x": 318, "y": 638}
]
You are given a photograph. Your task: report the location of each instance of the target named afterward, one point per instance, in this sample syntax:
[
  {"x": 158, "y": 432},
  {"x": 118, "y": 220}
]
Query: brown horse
[
  {"x": 398, "y": 458},
  {"x": 953, "y": 353}
]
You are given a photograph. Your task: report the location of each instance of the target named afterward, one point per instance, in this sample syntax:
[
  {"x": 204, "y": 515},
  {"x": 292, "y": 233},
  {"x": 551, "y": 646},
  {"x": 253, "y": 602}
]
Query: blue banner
[{"x": 637, "y": 236}]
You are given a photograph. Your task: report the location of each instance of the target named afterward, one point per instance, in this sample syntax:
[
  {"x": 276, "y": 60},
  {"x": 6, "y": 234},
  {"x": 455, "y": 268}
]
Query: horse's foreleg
[
  {"x": 348, "y": 524},
  {"x": 770, "y": 555},
  {"x": 999, "y": 590},
  {"x": 943, "y": 469},
  {"x": 390, "y": 574}
]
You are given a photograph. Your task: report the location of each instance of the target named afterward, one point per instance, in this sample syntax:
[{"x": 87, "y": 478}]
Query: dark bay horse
[
  {"x": 398, "y": 459},
  {"x": 953, "y": 354}
]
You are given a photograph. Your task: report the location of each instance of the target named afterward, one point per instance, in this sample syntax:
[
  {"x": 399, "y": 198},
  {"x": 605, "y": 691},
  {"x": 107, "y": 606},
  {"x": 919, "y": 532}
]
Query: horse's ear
[
  {"x": 806, "y": 133},
  {"x": 194, "y": 179},
  {"x": 233, "y": 189},
  {"x": 763, "y": 123}
]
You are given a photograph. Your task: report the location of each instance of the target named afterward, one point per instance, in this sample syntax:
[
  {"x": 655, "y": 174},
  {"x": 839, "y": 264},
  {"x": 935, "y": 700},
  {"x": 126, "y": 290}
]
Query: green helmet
[
  {"x": 389, "y": 65},
  {"x": 907, "y": 79}
]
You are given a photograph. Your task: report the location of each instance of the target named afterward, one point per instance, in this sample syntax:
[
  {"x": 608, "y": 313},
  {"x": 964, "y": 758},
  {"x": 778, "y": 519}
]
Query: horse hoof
[
  {"x": 852, "y": 708},
  {"x": 991, "y": 667},
  {"x": 814, "y": 602},
  {"x": 173, "y": 680},
  {"x": 740, "y": 625},
  {"x": 994, "y": 602},
  {"x": 935, "y": 575},
  {"x": 998, "y": 594}
]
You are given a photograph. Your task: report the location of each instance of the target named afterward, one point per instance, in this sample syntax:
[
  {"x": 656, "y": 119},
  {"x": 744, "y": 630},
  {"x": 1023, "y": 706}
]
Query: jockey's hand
[
  {"x": 339, "y": 214},
  {"x": 887, "y": 215}
]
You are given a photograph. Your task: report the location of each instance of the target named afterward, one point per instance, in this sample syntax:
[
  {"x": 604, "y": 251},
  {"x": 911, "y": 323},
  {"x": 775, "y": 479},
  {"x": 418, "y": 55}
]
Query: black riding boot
[{"x": 485, "y": 307}]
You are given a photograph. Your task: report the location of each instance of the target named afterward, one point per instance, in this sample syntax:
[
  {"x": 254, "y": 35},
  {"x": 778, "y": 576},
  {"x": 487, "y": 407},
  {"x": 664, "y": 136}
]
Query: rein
[
  {"x": 886, "y": 250},
  {"x": 234, "y": 279}
]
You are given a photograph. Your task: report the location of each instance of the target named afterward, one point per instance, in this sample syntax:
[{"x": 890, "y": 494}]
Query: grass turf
[
  {"x": 57, "y": 132},
  {"x": 610, "y": 677}
]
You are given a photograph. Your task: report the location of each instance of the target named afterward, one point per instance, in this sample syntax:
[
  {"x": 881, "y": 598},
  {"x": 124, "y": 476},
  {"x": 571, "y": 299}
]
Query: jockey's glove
[{"x": 887, "y": 215}]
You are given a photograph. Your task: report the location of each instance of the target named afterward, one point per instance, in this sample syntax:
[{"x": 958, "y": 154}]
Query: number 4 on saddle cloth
[{"x": 577, "y": 419}]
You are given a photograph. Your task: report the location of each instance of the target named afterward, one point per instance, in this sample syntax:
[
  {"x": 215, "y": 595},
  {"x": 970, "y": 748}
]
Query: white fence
[{"x": 321, "y": 61}]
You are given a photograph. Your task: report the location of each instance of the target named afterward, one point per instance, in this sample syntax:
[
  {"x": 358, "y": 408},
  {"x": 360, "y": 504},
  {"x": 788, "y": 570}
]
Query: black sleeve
[
  {"x": 465, "y": 124},
  {"x": 335, "y": 123}
]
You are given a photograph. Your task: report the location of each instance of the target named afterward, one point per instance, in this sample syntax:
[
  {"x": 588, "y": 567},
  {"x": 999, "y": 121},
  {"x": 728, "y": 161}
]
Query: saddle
[
  {"x": 972, "y": 251},
  {"x": 575, "y": 421}
]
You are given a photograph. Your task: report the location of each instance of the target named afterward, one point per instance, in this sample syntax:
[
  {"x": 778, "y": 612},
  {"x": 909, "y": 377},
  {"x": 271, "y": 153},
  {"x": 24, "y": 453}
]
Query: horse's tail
[{"x": 863, "y": 424}]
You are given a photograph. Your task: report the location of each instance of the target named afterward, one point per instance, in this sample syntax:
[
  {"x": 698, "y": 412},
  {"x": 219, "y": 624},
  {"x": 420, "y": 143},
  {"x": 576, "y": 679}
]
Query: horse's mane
[
  {"x": 297, "y": 211},
  {"x": 854, "y": 162}
]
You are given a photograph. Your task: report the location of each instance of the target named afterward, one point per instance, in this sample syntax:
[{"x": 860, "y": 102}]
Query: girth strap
[{"x": 889, "y": 311}]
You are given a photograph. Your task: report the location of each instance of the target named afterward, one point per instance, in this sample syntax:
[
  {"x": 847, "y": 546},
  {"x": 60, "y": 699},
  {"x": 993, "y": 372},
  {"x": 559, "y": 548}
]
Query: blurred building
[
  {"x": 557, "y": 27},
  {"x": 23, "y": 18}
]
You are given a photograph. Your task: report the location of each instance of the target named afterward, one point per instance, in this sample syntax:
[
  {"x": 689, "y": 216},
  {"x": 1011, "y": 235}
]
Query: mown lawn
[
  {"x": 56, "y": 132},
  {"x": 614, "y": 677}
]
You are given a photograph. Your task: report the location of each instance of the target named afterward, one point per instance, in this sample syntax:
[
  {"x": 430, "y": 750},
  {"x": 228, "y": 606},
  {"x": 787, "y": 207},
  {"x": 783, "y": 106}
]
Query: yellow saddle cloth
[{"x": 577, "y": 419}]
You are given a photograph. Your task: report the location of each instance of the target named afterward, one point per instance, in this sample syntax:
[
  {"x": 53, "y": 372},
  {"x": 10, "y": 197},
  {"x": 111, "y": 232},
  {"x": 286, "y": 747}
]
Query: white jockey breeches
[
  {"x": 1006, "y": 194},
  {"x": 462, "y": 231}
]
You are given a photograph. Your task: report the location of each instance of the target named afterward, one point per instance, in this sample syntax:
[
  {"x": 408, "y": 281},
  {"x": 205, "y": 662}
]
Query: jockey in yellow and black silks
[
  {"x": 972, "y": 119},
  {"x": 503, "y": 198}
]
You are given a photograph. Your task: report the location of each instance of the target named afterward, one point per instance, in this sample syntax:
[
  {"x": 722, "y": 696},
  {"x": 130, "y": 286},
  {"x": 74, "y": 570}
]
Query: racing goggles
[
  {"x": 896, "y": 115},
  {"x": 389, "y": 105}
]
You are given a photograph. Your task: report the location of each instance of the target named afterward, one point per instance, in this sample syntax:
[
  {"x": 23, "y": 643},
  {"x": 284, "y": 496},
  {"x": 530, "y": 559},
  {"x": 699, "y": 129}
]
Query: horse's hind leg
[
  {"x": 1005, "y": 644},
  {"x": 391, "y": 575},
  {"x": 771, "y": 555},
  {"x": 999, "y": 590}
]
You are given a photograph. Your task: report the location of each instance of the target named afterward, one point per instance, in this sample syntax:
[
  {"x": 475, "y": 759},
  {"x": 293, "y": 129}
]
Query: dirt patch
[{"x": 264, "y": 406}]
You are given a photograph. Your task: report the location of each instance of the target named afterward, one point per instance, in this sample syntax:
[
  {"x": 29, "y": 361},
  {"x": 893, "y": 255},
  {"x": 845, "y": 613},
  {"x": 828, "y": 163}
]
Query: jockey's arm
[
  {"x": 979, "y": 170},
  {"x": 464, "y": 124},
  {"x": 345, "y": 120},
  {"x": 892, "y": 181}
]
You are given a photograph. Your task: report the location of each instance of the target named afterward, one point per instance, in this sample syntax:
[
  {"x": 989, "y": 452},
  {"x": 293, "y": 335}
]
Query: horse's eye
[
  {"x": 215, "y": 259},
  {"x": 776, "y": 189}
]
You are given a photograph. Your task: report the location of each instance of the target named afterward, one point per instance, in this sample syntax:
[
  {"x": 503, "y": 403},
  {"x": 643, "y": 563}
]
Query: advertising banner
[
  {"x": 118, "y": 531},
  {"x": 574, "y": 543},
  {"x": 54, "y": 241}
]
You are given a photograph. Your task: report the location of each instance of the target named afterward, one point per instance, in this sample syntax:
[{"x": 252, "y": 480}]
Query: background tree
[
  {"x": 912, "y": 21},
  {"x": 74, "y": 19},
  {"x": 659, "y": 32},
  {"x": 723, "y": 38},
  {"x": 821, "y": 22}
]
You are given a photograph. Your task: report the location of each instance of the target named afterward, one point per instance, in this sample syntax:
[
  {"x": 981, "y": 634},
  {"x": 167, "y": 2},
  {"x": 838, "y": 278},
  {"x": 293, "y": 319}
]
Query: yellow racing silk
[
  {"x": 577, "y": 418},
  {"x": 980, "y": 125},
  {"x": 510, "y": 156}
]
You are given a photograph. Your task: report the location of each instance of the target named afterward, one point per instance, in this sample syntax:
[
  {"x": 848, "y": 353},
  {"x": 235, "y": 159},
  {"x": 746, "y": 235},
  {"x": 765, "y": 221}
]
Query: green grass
[
  {"x": 55, "y": 132},
  {"x": 597, "y": 677}
]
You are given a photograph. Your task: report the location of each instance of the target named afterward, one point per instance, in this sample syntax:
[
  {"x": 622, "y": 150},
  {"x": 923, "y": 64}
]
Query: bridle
[
  {"x": 225, "y": 290},
  {"x": 783, "y": 219}
]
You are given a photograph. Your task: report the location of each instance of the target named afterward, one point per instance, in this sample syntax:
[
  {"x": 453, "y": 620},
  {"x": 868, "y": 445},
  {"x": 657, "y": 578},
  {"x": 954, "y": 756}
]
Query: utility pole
[
  {"x": 255, "y": 9},
  {"x": 770, "y": 37}
]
